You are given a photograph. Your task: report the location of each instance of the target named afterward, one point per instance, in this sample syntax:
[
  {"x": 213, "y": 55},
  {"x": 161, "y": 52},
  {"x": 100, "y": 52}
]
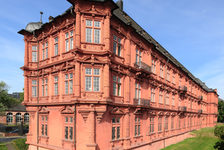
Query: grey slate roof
[{"x": 32, "y": 26}]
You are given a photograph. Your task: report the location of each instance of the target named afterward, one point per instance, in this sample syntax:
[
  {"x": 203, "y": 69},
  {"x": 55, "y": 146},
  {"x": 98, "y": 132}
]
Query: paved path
[
  {"x": 9, "y": 139},
  {"x": 10, "y": 146}
]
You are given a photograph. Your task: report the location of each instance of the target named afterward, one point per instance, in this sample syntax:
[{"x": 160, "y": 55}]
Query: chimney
[
  {"x": 50, "y": 18},
  {"x": 120, "y": 4},
  {"x": 41, "y": 13}
]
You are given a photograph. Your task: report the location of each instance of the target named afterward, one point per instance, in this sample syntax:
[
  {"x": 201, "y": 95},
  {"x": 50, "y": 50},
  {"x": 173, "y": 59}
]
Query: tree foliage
[
  {"x": 219, "y": 132},
  {"x": 6, "y": 101},
  {"x": 221, "y": 111}
]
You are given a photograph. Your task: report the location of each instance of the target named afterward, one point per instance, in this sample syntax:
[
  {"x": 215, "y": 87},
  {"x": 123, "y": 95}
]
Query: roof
[
  {"x": 33, "y": 26},
  {"x": 18, "y": 107},
  {"x": 126, "y": 19}
]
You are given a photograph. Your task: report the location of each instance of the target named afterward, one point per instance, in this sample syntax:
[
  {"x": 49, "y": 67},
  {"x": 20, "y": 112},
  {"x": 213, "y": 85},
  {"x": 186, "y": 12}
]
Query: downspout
[
  {"x": 75, "y": 125},
  {"x": 37, "y": 90}
]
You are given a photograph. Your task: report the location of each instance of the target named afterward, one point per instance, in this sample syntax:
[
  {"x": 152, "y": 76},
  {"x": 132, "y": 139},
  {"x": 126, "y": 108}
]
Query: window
[
  {"x": 160, "y": 96},
  {"x": 93, "y": 31},
  {"x": 168, "y": 75},
  {"x": 116, "y": 86},
  {"x": 152, "y": 95},
  {"x": 161, "y": 70},
  {"x": 9, "y": 118},
  {"x": 117, "y": 45},
  {"x": 151, "y": 128},
  {"x": 56, "y": 46},
  {"x": 167, "y": 99},
  {"x": 183, "y": 122},
  {"x": 173, "y": 79},
  {"x": 69, "y": 127},
  {"x": 44, "y": 87},
  {"x": 159, "y": 124},
  {"x": 69, "y": 83},
  {"x": 56, "y": 85},
  {"x": 173, "y": 100},
  {"x": 172, "y": 123},
  {"x": 166, "y": 123},
  {"x": 137, "y": 126},
  {"x": 153, "y": 66},
  {"x": 44, "y": 120},
  {"x": 68, "y": 41},
  {"x": 138, "y": 91},
  {"x": 116, "y": 128},
  {"x": 26, "y": 117},
  {"x": 34, "y": 53},
  {"x": 34, "y": 88},
  {"x": 92, "y": 79},
  {"x": 179, "y": 122},
  {"x": 18, "y": 117},
  {"x": 44, "y": 50},
  {"x": 138, "y": 57}
]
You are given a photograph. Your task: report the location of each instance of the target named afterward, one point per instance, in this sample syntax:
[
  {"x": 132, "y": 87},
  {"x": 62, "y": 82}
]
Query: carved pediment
[
  {"x": 167, "y": 114},
  {"x": 92, "y": 59},
  {"x": 116, "y": 111},
  {"x": 67, "y": 110},
  {"x": 173, "y": 114},
  {"x": 93, "y": 11},
  {"x": 161, "y": 113},
  {"x": 138, "y": 111},
  {"x": 43, "y": 110},
  {"x": 152, "y": 113}
]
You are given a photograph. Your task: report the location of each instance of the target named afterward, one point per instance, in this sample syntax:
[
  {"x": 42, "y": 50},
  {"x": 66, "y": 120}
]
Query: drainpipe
[{"x": 75, "y": 125}]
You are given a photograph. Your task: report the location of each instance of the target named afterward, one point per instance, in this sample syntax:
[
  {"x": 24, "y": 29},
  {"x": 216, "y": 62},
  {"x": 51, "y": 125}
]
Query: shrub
[
  {"x": 219, "y": 132},
  {"x": 20, "y": 144}
]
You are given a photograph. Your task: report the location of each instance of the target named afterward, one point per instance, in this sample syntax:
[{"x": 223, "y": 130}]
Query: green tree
[
  {"x": 21, "y": 96},
  {"x": 6, "y": 101},
  {"x": 221, "y": 111}
]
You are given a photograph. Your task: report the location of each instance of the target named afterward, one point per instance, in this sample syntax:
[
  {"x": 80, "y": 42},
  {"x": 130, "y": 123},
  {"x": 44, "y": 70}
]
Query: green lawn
[
  {"x": 204, "y": 140},
  {"x": 3, "y": 147}
]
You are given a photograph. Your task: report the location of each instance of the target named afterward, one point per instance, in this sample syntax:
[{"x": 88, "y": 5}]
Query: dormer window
[{"x": 93, "y": 33}]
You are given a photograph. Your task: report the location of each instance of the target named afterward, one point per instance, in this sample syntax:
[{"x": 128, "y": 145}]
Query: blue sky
[{"x": 191, "y": 30}]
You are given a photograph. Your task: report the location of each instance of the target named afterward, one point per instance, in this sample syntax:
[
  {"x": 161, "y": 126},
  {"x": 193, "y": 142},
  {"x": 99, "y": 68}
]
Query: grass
[
  {"x": 3, "y": 147},
  {"x": 204, "y": 140},
  {"x": 20, "y": 144}
]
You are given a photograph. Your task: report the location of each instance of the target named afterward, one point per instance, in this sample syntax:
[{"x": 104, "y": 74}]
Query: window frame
[
  {"x": 93, "y": 76},
  {"x": 117, "y": 85},
  {"x": 70, "y": 83},
  {"x": 34, "y": 53},
  {"x": 92, "y": 30},
  {"x": 137, "y": 127},
  {"x": 116, "y": 127}
]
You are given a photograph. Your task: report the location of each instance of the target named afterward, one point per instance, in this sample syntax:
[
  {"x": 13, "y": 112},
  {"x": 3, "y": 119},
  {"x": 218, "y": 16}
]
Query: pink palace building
[{"x": 95, "y": 80}]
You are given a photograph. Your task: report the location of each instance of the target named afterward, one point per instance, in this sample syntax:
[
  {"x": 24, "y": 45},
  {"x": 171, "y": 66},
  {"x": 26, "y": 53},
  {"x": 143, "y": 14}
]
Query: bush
[
  {"x": 219, "y": 132},
  {"x": 20, "y": 144}
]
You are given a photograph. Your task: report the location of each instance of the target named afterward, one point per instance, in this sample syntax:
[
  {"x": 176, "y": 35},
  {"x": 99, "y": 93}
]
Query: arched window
[
  {"x": 18, "y": 118},
  {"x": 26, "y": 118},
  {"x": 9, "y": 117}
]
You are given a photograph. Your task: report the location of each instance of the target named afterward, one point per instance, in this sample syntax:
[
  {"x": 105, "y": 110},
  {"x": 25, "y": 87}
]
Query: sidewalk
[{"x": 10, "y": 146}]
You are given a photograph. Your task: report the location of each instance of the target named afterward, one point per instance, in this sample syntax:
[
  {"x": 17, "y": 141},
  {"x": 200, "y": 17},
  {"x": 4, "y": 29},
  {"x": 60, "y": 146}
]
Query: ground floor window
[
  {"x": 116, "y": 128},
  {"x": 9, "y": 118},
  {"x": 68, "y": 128},
  {"x": 44, "y": 125}
]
